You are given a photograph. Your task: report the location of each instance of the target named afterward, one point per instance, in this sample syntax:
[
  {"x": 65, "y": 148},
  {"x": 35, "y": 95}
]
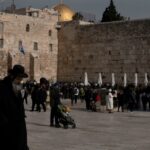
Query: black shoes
[
  {"x": 51, "y": 125},
  {"x": 57, "y": 126}
]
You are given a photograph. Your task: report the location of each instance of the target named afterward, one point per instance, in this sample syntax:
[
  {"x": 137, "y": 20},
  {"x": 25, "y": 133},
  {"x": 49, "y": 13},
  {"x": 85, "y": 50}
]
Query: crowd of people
[
  {"x": 128, "y": 98},
  {"x": 14, "y": 93}
]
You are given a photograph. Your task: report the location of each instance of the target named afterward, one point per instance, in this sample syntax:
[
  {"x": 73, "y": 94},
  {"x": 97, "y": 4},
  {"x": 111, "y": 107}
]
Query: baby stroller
[{"x": 64, "y": 117}]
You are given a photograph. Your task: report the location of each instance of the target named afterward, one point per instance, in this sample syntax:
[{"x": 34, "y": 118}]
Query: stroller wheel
[
  {"x": 65, "y": 126},
  {"x": 73, "y": 126}
]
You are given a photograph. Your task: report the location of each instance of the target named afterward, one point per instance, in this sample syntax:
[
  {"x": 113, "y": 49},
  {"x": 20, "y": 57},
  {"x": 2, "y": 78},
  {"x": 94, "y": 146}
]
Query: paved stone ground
[{"x": 95, "y": 131}]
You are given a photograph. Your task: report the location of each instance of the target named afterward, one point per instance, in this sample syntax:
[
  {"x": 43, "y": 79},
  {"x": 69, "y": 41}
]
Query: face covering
[{"x": 17, "y": 87}]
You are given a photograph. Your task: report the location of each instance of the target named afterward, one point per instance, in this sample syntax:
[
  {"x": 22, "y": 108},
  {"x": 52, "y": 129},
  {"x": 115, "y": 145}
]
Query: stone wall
[
  {"x": 119, "y": 47},
  {"x": 14, "y": 30},
  {"x": 41, "y": 31},
  {"x": 3, "y": 64}
]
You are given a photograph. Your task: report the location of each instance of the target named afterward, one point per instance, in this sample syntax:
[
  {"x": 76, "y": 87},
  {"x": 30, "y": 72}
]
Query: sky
[{"x": 135, "y": 9}]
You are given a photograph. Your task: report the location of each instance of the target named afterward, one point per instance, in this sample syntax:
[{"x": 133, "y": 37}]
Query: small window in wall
[
  {"x": 1, "y": 43},
  {"x": 30, "y": 14},
  {"x": 50, "y": 47},
  {"x": 50, "y": 32},
  {"x": 35, "y": 46},
  {"x": 27, "y": 28}
]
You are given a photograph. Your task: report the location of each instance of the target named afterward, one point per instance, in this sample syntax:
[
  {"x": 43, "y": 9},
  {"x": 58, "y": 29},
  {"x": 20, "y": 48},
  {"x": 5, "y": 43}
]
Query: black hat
[
  {"x": 18, "y": 71},
  {"x": 43, "y": 80}
]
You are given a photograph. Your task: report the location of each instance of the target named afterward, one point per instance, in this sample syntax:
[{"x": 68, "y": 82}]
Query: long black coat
[
  {"x": 41, "y": 95},
  {"x": 13, "y": 133},
  {"x": 54, "y": 98}
]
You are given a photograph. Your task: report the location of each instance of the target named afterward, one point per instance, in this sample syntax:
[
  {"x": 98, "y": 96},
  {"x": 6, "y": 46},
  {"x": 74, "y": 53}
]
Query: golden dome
[{"x": 65, "y": 13}]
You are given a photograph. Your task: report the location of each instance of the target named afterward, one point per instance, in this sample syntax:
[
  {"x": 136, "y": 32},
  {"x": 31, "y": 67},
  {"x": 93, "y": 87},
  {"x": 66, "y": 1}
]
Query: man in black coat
[
  {"x": 130, "y": 96},
  {"x": 13, "y": 133},
  {"x": 54, "y": 102},
  {"x": 41, "y": 94},
  {"x": 88, "y": 97}
]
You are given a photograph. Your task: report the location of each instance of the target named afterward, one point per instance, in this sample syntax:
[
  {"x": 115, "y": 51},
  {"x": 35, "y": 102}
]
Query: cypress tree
[{"x": 111, "y": 14}]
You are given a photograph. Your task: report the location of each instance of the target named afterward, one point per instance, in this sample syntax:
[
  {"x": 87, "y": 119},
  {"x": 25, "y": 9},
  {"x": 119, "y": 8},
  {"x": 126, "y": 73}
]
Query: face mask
[{"x": 17, "y": 87}]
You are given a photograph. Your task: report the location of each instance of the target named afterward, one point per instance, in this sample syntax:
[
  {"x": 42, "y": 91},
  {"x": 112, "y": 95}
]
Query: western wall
[{"x": 117, "y": 47}]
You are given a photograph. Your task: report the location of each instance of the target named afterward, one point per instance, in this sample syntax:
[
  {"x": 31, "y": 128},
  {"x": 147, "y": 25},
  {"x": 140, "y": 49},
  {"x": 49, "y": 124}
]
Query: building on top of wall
[{"x": 42, "y": 13}]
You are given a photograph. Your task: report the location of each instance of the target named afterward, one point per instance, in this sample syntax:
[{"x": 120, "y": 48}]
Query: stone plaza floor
[{"x": 95, "y": 131}]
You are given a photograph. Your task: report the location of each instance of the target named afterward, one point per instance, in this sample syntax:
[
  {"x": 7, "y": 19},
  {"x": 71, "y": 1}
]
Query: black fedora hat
[
  {"x": 18, "y": 71},
  {"x": 43, "y": 80}
]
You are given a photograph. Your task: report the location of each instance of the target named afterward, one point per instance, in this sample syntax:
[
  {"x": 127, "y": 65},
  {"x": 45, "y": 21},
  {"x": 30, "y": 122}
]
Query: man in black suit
[
  {"x": 54, "y": 102},
  {"x": 13, "y": 133}
]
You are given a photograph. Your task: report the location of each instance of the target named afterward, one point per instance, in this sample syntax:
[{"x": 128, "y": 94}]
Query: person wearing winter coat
[
  {"x": 41, "y": 94},
  {"x": 54, "y": 102},
  {"x": 13, "y": 132}
]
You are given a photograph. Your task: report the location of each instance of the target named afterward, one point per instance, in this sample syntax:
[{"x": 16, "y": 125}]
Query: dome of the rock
[{"x": 65, "y": 13}]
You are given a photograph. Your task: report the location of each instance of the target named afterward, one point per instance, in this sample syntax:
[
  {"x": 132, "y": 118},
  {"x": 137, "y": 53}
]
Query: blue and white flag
[{"x": 21, "y": 49}]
